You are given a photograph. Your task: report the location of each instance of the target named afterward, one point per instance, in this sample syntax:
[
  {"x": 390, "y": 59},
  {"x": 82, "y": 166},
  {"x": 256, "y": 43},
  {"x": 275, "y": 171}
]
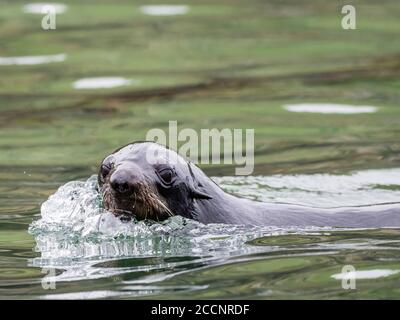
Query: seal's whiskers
[{"x": 146, "y": 203}]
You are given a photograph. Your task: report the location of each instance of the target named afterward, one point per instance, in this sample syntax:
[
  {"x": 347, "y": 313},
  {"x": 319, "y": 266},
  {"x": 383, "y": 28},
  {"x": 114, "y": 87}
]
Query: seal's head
[{"x": 148, "y": 181}]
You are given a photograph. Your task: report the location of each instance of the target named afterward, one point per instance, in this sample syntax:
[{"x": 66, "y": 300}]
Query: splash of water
[
  {"x": 73, "y": 225},
  {"x": 75, "y": 233}
]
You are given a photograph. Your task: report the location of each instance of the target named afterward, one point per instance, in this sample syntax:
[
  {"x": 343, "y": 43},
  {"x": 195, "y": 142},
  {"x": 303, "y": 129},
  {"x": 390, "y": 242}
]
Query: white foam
[
  {"x": 41, "y": 8},
  {"x": 164, "y": 10},
  {"x": 365, "y": 274},
  {"x": 32, "y": 60},
  {"x": 329, "y": 108},
  {"x": 102, "y": 82}
]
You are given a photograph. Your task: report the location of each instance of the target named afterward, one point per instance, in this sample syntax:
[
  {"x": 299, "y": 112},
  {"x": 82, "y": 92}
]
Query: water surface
[
  {"x": 225, "y": 64},
  {"x": 95, "y": 255}
]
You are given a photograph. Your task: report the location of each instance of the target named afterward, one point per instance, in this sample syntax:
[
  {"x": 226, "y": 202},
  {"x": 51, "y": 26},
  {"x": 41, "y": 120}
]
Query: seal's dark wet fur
[{"x": 133, "y": 186}]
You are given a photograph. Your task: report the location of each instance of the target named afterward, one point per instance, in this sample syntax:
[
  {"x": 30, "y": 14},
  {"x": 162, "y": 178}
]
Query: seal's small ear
[
  {"x": 199, "y": 195},
  {"x": 195, "y": 191}
]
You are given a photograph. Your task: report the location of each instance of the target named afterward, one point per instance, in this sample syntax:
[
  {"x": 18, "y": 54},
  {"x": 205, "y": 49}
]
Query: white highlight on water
[
  {"x": 164, "y": 10},
  {"x": 37, "y": 8},
  {"x": 329, "y": 108},
  {"x": 365, "y": 187},
  {"x": 102, "y": 82},
  {"x": 32, "y": 60},
  {"x": 365, "y": 274}
]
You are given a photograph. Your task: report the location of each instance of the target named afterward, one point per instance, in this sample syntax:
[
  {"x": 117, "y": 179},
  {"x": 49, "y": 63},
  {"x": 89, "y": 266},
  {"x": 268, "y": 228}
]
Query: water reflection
[{"x": 32, "y": 60}]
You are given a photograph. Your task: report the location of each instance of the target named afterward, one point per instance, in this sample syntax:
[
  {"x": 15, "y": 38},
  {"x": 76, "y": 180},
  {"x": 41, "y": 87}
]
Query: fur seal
[{"x": 148, "y": 181}]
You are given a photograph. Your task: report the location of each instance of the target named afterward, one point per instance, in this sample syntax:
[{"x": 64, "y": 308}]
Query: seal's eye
[
  {"x": 105, "y": 170},
  {"x": 166, "y": 175}
]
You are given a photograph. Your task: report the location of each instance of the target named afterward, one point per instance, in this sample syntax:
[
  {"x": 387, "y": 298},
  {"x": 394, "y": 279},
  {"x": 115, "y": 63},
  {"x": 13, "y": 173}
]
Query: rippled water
[
  {"x": 331, "y": 107},
  {"x": 88, "y": 253}
]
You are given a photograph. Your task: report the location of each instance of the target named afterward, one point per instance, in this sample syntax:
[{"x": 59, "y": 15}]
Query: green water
[{"x": 224, "y": 64}]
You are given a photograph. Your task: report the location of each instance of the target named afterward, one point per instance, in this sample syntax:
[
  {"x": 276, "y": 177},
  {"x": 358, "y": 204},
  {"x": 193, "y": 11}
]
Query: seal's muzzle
[
  {"x": 123, "y": 181},
  {"x": 127, "y": 192}
]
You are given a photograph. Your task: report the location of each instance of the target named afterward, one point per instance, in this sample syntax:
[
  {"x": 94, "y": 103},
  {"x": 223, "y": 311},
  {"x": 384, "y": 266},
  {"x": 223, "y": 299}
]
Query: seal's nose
[{"x": 121, "y": 183}]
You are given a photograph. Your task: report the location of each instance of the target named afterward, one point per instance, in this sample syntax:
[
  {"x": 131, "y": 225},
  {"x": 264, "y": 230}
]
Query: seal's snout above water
[
  {"x": 123, "y": 181},
  {"x": 148, "y": 181}
]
